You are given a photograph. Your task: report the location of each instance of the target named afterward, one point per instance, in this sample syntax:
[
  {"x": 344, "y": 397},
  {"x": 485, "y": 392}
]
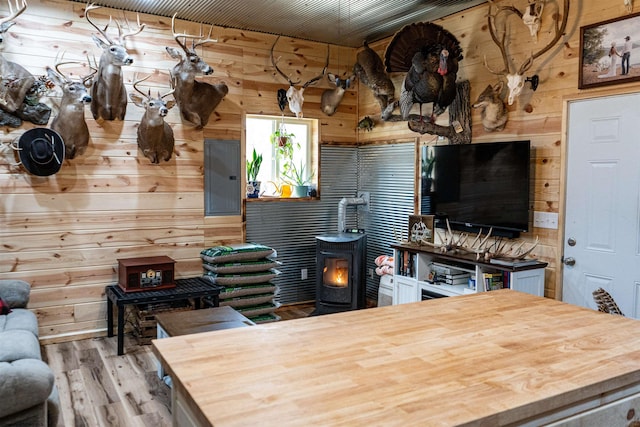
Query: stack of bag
[{"x": 245, "y": 270}]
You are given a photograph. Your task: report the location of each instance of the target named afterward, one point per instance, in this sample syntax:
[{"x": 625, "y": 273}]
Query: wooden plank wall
[
  {"x": 537, "y": 116},
  {"x": 64, "y": 233}
]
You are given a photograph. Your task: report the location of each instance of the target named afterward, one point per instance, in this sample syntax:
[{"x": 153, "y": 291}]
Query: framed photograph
[{"x": 610, "y": 52}]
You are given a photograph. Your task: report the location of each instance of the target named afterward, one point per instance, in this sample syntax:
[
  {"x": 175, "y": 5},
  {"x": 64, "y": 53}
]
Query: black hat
[
  {"x": 627, "y": 38},
  {"x": 41, "y": 151}
]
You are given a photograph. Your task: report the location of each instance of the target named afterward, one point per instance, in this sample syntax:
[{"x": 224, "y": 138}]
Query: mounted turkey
[{"x": 429, "y": 55}]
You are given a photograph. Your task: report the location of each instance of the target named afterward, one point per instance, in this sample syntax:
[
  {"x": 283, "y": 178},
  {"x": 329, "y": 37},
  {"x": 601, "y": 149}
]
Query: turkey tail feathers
[{"x": 414, "y": 37}]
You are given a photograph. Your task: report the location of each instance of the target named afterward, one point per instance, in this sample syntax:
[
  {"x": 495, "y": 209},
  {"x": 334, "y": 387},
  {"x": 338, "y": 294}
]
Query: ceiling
[{"x": 340, "y": 22}]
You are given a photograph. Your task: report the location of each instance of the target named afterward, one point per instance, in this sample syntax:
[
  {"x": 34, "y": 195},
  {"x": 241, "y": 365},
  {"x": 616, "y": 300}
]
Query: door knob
[
  {"x": 570, "y": 261},
  {"x": 571, "y": 241}
]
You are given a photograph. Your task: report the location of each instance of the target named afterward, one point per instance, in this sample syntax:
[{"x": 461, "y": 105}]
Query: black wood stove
[{"x": 340, "y": 272}]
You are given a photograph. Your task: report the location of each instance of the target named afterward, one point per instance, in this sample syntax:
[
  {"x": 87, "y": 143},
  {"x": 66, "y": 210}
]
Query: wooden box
[{"x": 146, "y": 273}]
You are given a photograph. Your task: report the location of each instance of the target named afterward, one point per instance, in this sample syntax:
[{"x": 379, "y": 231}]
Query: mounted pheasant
[{"x": 429, "y": 55}]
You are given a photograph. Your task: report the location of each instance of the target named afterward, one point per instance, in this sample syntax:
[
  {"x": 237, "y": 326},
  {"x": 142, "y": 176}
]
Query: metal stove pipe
[{"x": 342, "y": 207}]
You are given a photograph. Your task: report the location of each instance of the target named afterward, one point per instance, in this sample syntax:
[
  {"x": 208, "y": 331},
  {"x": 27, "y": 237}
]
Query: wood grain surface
[{"x": 494, "y": 358}]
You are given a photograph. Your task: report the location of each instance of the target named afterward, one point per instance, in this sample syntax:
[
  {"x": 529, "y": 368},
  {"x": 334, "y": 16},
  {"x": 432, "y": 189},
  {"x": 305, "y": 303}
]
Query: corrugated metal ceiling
[{"x": 340, "y": 22}]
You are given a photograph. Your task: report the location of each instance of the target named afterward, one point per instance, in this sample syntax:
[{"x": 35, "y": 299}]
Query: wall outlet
[
  {"x": 545, "y": 220},
  {"x": 303, "y": 274}
]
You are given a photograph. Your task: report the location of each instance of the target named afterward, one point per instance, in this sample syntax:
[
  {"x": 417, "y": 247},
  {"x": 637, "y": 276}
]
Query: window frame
[{"x": 312, "y": 154}]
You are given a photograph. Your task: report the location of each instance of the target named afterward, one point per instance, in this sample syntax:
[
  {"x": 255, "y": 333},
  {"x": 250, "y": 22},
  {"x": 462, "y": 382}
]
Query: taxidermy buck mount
[
  {"x": 331, "y": 98},
  {"x": 19, "y": 90},
  {"x": 70, "y": 122},
  {"x": 515, "y": 75},
  {"x": 155, "y": 136},
  {"x": 295, "y": 96},
  {"x": 370, "y": 71},
  {"x": 196, "y": 100},
  {"x": 16, "y": 80},
  {"x": 429, "y": 55},
  {"x": 109, "y": 95}
]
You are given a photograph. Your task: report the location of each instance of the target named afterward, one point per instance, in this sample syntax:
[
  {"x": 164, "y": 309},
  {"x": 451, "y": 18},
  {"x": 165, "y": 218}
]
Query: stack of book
[{"x": 446, "y": 275}]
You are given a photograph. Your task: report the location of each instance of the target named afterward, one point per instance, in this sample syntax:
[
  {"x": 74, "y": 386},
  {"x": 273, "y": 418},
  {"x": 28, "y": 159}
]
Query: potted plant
[
  {"x": 253, "y": 168},
  {"x": 284, "y": 143},
  {"x": 299, "y": 179}
]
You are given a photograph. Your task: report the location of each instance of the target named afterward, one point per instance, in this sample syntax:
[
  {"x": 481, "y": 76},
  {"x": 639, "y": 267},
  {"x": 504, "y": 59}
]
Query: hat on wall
[{"x": 41, "y": 151}]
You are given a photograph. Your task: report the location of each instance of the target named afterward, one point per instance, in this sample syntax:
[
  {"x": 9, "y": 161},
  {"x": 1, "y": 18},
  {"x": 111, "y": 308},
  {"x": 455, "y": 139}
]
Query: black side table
[{"x": 195, "y": 287}]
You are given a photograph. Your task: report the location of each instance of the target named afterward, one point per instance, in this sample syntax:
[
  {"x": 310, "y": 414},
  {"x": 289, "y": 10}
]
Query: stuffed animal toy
[{"x": 384, "y": 265}]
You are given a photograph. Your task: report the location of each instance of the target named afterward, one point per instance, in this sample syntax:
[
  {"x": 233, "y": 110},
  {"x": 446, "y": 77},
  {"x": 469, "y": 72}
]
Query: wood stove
[{"x": 340, "y": 272}]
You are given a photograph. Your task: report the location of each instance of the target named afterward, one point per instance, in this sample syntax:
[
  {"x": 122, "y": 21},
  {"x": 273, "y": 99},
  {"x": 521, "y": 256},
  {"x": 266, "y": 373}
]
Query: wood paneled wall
[{"x": 64, "y": 233}]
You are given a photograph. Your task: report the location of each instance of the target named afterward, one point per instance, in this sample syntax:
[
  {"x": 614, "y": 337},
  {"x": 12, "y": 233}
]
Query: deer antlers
[
  {"x": 515, "y": 81},
  {"x": 12, "y": 14},
  {"x": 193, "y": 38},
  {"x": 147, "y": 95},
  {"x": 295, "y": 96},
  {"x": 103, "y": 31}
]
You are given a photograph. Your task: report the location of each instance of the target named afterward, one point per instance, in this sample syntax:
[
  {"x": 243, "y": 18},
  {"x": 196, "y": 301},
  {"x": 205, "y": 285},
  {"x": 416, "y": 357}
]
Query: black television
[{"x": 478, "y": 186}]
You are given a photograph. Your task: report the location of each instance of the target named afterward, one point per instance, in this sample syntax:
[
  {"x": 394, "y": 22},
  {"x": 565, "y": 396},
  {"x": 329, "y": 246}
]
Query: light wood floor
[{"x": 99, "y": 388}]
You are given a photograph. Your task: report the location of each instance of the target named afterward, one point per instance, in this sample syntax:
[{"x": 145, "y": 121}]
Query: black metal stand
[{"x": 195, "y": 288}]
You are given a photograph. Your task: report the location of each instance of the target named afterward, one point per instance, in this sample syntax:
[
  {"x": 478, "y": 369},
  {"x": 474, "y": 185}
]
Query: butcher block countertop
[{"x": 492, "y": 358}]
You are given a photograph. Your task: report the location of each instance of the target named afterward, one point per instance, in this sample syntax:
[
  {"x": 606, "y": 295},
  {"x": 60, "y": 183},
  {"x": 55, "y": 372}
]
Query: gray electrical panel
[{"x": 222, "y": 178}]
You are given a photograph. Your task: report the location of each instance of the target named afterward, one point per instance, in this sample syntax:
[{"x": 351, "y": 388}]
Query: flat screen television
[{"x": 479, "y": 186}]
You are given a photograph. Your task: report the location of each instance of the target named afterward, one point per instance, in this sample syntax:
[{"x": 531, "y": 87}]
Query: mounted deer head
[
  {"x": 109, "y": 95},
  {"x": 516, "y": 79},
  {"x": 15, "y": 79},
  {"x": 197, "y": 100},
  {"x": 532, "y": 17},
  {"x": 295, "y": 95},
  {"x": 155, "y": 136},
  {"x": 331, "y": 98},
  {"x": 70, "y": 122}
]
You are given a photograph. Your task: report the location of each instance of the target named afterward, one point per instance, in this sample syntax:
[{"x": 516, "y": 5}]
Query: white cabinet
[
  {"x": 415, "y": 266},
  {"x": 405, "y": 289}
]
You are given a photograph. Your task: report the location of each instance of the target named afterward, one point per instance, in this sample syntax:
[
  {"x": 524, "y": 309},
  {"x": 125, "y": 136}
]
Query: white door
[{"x": 602, "y": 218}]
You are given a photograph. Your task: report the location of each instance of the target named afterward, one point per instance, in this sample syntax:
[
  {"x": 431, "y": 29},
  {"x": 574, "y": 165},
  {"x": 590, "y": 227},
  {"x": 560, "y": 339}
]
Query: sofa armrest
[
  {"x": 23, "y": 384},
  {"x": 15, "y": 292}
]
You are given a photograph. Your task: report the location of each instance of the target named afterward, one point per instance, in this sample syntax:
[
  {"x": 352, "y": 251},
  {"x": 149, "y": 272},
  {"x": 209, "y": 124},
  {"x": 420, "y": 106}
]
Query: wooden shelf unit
[{"x": 412, "y": 267}]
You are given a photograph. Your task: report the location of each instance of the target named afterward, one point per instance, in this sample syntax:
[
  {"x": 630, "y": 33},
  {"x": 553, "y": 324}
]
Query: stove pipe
[{"x": 342, "y": 207}]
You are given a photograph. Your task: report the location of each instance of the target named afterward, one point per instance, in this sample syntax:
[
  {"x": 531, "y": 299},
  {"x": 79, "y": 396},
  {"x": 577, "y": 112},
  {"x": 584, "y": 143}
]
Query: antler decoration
[
  {"x": 516, "y": 80},
  {"x": 295, "y": 96},
  {"x": 481, "y": 246}
]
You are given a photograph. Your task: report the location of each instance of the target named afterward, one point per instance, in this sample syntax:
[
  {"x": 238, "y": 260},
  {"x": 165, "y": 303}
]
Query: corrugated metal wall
[{"x": 385, "y": 171}]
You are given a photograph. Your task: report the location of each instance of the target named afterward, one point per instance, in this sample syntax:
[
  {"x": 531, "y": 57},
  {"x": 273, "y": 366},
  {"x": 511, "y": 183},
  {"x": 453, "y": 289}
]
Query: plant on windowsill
[
  {"x": 300, "y": 180},
  {"x": 253, "y": 168}
]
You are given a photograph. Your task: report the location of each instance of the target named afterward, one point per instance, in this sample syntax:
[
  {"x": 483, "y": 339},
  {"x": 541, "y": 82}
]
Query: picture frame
[{"x": 597, "y": 56}]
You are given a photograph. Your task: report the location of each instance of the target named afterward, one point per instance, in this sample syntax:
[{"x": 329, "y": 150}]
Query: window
[{"x": 277, "y": 167}]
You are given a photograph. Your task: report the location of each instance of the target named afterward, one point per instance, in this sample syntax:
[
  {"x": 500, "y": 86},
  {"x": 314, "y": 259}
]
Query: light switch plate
[{"x": 545, "y": 220}]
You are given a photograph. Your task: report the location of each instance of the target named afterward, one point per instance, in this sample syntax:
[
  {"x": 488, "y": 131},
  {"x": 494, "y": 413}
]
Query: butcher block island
[{"x": 493, "y": 358}]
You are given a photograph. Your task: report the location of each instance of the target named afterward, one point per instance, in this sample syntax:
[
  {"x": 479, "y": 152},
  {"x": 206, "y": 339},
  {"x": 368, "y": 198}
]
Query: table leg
[
  {"x": 120, "y": 330},
  {"x": 109, "y": 317}
]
